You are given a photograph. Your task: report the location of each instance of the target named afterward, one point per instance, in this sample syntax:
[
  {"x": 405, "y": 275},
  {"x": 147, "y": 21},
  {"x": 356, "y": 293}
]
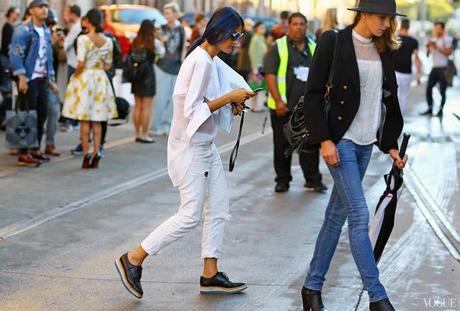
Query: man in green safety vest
[{"x": 286, "y": 67}]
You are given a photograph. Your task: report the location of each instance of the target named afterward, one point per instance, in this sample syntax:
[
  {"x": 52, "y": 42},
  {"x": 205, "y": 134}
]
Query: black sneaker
[
  {"x": 220, "y": 284},
  {"x": 317, "y": 186},
  {"x": 78, "y": 150},
  {"x": 130, "y": 275},
  {"x": 282, "y": 187}
]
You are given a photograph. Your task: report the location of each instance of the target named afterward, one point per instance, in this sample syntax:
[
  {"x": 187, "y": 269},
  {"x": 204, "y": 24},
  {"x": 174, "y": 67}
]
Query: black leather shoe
[
  {"x": 381, "y": 305},
  {"x": 130, "y": 275},
  {"x": 317, "y": 186},
  {"x": 429, "y": 112},
  {"x": 220, "y": 284},
  {"x": 282, "y": 187},
  {"x": 312, "y": 300}
]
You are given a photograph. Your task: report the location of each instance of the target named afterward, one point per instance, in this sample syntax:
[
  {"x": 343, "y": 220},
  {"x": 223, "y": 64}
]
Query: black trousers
[
  {"x": 308, "y": 159},
  {"x": 436, "y": 76},
  {"x": 37, "y": 99},
  {"x": 103, "y": 132}
]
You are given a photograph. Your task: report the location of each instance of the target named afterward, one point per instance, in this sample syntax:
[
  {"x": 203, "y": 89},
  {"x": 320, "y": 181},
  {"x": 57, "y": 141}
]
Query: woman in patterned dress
[{"x": 89, "y": 96}]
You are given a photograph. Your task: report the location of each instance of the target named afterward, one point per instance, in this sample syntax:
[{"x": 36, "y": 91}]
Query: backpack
[
  {"x": 117, "y": 55},
  {"x": 137, "y": 66}
]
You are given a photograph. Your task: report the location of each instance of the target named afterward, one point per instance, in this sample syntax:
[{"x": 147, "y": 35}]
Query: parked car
[{"x": 125, "y": 20}]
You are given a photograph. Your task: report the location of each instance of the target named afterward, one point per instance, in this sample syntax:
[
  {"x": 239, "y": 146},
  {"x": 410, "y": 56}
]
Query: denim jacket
[{"x": 26, "y": 40}]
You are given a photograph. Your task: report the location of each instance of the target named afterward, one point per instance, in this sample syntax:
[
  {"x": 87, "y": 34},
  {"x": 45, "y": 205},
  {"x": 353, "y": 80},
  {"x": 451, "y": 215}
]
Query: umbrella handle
[{"x": 405, "y": 142}]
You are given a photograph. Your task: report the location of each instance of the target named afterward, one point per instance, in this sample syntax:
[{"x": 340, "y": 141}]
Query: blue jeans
[
  {"x": 163, "y": 108},
  {"x": 347, "y": 202},
  {"x": 53, "y": 110}
]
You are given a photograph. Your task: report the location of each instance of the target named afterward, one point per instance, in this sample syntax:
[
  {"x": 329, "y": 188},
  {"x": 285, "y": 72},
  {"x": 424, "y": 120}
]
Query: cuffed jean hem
[
  {"x": 378, "y": 299},
  {"x": 312, "y": 287}
]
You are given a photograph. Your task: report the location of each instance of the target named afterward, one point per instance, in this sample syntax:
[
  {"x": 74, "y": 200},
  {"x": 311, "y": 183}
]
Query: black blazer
[{"x": 345, "y": 94}]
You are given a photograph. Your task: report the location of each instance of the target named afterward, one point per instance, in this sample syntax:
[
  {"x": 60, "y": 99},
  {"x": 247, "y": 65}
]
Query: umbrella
[{"x": 384, "y": 218}]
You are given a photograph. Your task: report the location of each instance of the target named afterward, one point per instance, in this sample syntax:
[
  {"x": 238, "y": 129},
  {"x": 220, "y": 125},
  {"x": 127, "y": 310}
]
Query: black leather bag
[{"x": 295, "y": 130}]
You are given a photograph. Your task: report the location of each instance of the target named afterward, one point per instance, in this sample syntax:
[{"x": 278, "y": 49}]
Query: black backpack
[{"x": 137, "y": 66}]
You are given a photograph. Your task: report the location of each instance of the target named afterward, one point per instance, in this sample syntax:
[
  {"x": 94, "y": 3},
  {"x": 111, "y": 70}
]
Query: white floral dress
[{"x": 89, "y": 97}]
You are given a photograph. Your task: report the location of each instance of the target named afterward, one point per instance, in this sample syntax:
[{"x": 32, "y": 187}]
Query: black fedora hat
[{"x": 385, "y": 7}]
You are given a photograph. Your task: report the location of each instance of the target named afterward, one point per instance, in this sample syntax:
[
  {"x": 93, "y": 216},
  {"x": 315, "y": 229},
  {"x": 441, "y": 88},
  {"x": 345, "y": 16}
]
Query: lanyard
[{"x": 234, "y": 153}]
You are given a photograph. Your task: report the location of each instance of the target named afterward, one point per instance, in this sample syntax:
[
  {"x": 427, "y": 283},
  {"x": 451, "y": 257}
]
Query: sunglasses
[{"x": 237, "y": 36}]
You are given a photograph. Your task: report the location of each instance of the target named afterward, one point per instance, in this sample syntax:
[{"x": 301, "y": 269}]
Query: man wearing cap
[{"x": 31, "y": 58}]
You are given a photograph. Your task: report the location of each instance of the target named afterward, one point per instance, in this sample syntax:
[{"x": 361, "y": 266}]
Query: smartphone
[{"x": 258, "y": 90}]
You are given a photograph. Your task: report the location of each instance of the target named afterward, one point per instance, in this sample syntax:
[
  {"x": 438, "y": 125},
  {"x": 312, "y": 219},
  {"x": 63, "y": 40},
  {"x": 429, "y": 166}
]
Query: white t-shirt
[
  {"x": 439, "y": 59},
  {"x": 69, "y": 43},
  {"x": 41, "y": 68}
]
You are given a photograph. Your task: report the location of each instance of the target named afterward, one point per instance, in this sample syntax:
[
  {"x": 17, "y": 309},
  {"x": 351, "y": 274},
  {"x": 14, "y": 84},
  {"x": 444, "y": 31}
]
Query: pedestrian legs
[
  {"x": 404, "y": 85},
  {"x": 204, "y": 174},
  {"x": 216, "y": 212},
  {"x": 347, "y": 202},
  {"x": 309, "y": 162},
  {"x": 280, "y": 144},
  {"x": 163, "y": 112},
  {"x": 37, "y": 97},
  {"x": 53, "y": 110}
]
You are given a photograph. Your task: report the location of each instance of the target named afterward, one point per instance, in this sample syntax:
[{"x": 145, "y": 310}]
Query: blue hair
[{"x": 220, "y": 27}]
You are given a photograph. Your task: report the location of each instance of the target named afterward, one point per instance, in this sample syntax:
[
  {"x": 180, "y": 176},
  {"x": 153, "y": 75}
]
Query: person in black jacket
[{"x": 364, "y": 110}]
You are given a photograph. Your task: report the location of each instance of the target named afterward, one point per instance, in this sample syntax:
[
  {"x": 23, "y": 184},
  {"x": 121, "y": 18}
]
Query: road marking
[{"x": 25, "y": 225}]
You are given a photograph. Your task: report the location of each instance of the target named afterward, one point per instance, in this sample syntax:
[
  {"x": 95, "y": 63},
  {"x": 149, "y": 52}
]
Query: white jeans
[
  {"x": 205, "y": 179},
  {"x": 404, "y": 81}
]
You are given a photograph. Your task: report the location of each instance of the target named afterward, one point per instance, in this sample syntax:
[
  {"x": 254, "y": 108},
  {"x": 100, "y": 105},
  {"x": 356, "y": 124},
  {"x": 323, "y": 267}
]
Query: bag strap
[
  {"x": 234, "y": 153},
  {"x": 329, "y": 84}
]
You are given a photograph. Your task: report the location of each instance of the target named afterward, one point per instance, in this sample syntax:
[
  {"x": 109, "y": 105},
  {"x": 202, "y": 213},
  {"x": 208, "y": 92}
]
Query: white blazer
[{"x": 201, "y": 79}]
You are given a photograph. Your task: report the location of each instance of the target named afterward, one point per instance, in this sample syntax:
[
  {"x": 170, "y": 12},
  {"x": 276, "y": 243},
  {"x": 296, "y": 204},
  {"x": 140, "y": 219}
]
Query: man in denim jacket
[{"x": 32, "y": 63}]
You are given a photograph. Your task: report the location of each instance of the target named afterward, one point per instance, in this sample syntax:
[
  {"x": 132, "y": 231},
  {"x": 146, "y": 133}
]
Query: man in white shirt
[
  {"x": 72, "y": 15},
  {"x": 440, "y": 47}
]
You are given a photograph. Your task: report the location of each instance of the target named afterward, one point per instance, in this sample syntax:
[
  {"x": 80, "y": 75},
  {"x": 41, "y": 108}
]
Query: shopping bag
[{"x": 21, "y": 125}]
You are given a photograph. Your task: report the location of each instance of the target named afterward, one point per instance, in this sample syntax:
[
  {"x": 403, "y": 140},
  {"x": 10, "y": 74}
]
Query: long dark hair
[
  {"x": 94, "y": 17},
  {"x": 220, "y": 27},
  {"x": 146, "y": 36}
]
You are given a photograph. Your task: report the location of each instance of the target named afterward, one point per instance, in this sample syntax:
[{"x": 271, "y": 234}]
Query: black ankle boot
[
  {"x": 312, "y": 300},
  {"x": 381, "y": 305}
]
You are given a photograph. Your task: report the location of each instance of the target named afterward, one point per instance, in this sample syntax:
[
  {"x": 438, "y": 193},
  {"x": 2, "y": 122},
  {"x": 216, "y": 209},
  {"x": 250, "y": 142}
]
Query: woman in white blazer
[{"x": 203, "y": 102}]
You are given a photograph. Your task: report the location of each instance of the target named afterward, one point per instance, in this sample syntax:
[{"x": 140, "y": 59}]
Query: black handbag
[
  {"x": 21, "y": 125},
  {"x": 295, "y": 130},
  {"x": 123, "y": 108}
]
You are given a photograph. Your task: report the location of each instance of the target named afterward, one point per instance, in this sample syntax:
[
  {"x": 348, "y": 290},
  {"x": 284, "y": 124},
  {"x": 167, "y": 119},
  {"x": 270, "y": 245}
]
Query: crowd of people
[{"x": 152, "y": 66}]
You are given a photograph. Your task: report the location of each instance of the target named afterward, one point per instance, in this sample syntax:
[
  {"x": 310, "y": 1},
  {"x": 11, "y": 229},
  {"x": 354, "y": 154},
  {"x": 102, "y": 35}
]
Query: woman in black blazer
[{"x": 364, "y": 111}]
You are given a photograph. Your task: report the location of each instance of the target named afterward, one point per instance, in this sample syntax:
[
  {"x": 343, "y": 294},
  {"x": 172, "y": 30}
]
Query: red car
[{"x": 123, "y": 20}]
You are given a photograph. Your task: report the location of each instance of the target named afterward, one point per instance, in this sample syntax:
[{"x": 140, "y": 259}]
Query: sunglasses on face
[{"x": 237, "y": 36}]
